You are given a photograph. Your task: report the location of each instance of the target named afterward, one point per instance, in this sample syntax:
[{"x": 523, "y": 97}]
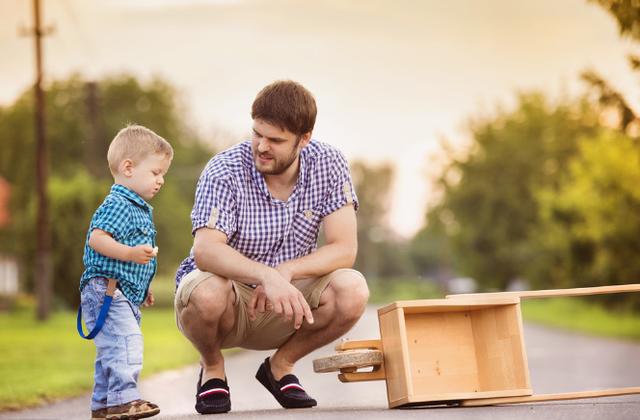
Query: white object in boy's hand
[{"x": 155, "y": 251}]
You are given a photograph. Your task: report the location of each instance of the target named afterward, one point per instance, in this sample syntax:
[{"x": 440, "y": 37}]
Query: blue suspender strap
[{"x": 111, "y": 288}]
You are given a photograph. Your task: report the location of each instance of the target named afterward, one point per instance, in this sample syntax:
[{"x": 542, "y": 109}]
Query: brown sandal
[
  {"x": 136, "y": 409},
  {"x": 100, "y": 414}
]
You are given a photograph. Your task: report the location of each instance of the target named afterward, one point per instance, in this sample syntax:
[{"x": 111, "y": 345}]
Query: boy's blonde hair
[{"x": 135, "y": 142}]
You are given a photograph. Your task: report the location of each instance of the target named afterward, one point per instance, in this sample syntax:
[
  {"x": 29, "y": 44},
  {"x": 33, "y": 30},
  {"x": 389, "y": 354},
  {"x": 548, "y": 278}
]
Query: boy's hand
[
  {"x": 150, "y": 300},
  {"x": 141, "y": 254}
]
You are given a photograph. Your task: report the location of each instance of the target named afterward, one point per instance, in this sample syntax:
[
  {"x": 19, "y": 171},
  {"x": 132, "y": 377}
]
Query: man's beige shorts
[{"x": 268, "y": 330}]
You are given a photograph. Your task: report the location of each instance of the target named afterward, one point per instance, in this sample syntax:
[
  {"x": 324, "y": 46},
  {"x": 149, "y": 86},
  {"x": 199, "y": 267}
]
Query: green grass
[
  {"x": 572, "y": 313},
  {"x": 578, "y": 315},
  {"x": 385, "y": 291},
  {"x": 41, "y": 362},
  {"x": 46, "y": 361}
]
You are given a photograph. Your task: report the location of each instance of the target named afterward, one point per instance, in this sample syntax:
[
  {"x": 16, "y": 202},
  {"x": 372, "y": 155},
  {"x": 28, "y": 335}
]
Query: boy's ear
[{"x": 126, "y": 167}]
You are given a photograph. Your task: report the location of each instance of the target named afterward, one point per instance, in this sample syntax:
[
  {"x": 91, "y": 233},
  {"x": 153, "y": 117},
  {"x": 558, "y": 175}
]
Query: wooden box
[
  {"x": 463, "y": 350},
  {"x": 439, "y": 350}
]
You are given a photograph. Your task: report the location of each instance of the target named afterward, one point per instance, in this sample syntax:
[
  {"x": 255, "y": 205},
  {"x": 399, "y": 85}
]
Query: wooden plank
[
  {"x": 580, "y": 291},
  {"x": 376, "y": 374},
  {"x": 396, "y": 358},
  {"x": 359, "y": 344},
  {"x": 452, "y": 396},
  {"x": 357, "y": 358},
  {"x": 552, "y": 397},
  {"x": 519, "y": 327},
  {"x": 441, "y": 353},
  {"x": 499, "y": 349},
  {"x": 447, "y": 305}
]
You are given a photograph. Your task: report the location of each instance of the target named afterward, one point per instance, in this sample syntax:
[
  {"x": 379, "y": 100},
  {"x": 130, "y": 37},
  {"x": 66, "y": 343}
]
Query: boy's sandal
[
  {"x": 100, "y": 414},
  {"x": 287, "y": 391},
  {"x": 137, "y": 409},
  {"x": 213, "y": 396}
]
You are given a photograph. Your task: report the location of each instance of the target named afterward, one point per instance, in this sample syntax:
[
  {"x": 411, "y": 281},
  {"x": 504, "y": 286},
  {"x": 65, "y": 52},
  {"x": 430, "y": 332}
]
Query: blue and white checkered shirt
[
  {"x": 129, "y": 219},
  {"x": 232, "y": 196}
]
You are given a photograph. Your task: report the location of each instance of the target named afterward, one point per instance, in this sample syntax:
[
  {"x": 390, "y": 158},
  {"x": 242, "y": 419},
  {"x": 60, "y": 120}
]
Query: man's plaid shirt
[
  {"x": 129, "y": 220},
  {"x": 232, "y": 196}
]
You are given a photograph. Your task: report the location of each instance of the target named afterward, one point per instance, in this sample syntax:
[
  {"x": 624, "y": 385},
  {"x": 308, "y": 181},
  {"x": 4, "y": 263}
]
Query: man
[{"x": 254, "y": 278}]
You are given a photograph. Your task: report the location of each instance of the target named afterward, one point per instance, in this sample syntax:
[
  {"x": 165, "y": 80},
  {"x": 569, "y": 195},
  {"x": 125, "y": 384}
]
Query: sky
[{"x": 392, "y": 79}]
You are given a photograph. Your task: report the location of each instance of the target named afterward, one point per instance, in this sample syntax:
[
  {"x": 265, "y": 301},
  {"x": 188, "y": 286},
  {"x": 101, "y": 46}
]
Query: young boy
[{"x": 120, "y": 250}]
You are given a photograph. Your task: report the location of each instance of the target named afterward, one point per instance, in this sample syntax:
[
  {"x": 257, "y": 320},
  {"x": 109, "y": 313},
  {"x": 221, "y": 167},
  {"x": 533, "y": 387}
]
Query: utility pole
[{"x": 43, "y": 267}]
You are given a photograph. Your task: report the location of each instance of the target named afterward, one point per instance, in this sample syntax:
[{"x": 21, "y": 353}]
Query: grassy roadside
[
  {"x": 48, "y": 361},
  {"x": 576, "y": 314}
]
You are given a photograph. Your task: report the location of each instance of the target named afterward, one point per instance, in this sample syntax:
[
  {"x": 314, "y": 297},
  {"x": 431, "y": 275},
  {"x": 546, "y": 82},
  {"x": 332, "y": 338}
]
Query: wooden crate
[
  {"x": 439, "y": 350},
  {"x": 465, "y": 349}
]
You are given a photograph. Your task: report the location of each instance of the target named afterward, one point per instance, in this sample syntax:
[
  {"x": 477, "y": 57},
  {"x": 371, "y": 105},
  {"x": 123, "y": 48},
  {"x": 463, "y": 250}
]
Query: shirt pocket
[
  {"x": 142, "y": 233},
  {"x": 306, "y": 225}
]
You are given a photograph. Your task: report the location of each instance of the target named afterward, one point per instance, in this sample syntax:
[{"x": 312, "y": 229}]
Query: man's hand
[
  {"x": 150, "y": 300},
  {"x": 286, "y": 300},
  {"x": 258, "y": 303},
  {"x": 141, "y": 254},
  {"x": 286, "y": 271}
]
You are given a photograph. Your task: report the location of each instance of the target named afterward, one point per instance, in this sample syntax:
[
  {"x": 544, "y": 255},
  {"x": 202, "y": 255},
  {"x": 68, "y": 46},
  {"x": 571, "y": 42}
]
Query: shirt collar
[
  {"x": 125, "y": 192},
  {"x": 258, "y": 178}
]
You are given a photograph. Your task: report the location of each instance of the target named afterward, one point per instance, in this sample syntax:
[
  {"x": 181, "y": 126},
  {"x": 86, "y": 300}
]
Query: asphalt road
[{"x": 558, "y": 362}]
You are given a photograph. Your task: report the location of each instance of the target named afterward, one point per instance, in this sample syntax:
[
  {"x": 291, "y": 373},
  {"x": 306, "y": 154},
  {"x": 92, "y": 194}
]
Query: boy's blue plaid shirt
[{"x": 129, "y": 219}]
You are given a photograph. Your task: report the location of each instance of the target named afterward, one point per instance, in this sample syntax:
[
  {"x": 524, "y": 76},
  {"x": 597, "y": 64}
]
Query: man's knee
[
  {"x": 209, "y": 300},
  {"x": 351, "y": 293}
]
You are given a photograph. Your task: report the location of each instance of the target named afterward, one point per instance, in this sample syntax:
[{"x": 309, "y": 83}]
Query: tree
[
  {"x": 83, "y": 117},
  {"x": 591, "y": 223},
  {"x": 379, "y": 253},
  {"x": 627, "y": 14},
  {"x": 489, "y": 207}
]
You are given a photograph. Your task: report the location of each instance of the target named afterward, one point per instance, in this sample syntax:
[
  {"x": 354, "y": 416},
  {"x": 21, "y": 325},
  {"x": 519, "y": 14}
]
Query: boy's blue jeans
[{"x": 118, "y": 346}]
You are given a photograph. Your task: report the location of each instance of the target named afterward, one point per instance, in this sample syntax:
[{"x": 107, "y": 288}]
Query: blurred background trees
[
  {"x": 546, "y": 194},
  {"x": 547, "y": 191},
  {"x": 83, "y": 117}
]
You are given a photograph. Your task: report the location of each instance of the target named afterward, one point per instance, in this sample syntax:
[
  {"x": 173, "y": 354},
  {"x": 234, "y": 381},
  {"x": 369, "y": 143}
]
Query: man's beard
[{"x": 278, "y": 167}]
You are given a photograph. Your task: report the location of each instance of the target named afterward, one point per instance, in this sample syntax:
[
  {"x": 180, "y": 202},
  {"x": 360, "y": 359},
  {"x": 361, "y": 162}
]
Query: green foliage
[
  {"x": 44, "y": 361},
  {"x": 385, "y": 290},
  {"x": 591, "y": 224},
  {"x": 379, "y": 253},
  {"x": 430, "y": 249},
  {"x": 82, "y": 118},
  {"x": 626, "y": 13},
  {"x": 489, "y": 211},
  {"x": 74, "y": 199}
]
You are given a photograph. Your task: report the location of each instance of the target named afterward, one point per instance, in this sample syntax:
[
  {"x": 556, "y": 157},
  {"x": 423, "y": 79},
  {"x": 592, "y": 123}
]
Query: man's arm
[
  {"x": 340, "y": 250},
  {"x": 212, "y": 254}
]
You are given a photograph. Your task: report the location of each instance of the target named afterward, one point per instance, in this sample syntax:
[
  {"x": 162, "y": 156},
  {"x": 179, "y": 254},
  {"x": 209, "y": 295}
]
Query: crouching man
[{"x": 255, "y": 278}]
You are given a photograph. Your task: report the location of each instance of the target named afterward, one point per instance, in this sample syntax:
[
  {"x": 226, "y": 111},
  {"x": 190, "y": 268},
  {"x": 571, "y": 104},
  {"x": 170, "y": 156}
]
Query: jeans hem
[{"x": 122, "y": 397}]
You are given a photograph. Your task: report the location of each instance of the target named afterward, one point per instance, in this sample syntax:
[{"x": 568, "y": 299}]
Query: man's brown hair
[{"x": 286, "y": 104}]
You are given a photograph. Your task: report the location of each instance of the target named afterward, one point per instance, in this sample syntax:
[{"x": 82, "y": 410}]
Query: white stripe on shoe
[
  {"x": 213, "y": 391},
  {"x": 288, "y": 386}
]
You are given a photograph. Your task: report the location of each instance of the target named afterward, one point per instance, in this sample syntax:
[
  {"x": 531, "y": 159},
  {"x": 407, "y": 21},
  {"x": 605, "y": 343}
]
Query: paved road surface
[{"x": 558, "y": 362}]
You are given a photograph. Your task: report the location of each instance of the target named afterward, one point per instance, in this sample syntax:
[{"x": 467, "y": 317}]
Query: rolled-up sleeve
[
  {"x": 113, "y": 217},
  {"x": 341, "y": 191},
  {"x": 215, "y": 205}
]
